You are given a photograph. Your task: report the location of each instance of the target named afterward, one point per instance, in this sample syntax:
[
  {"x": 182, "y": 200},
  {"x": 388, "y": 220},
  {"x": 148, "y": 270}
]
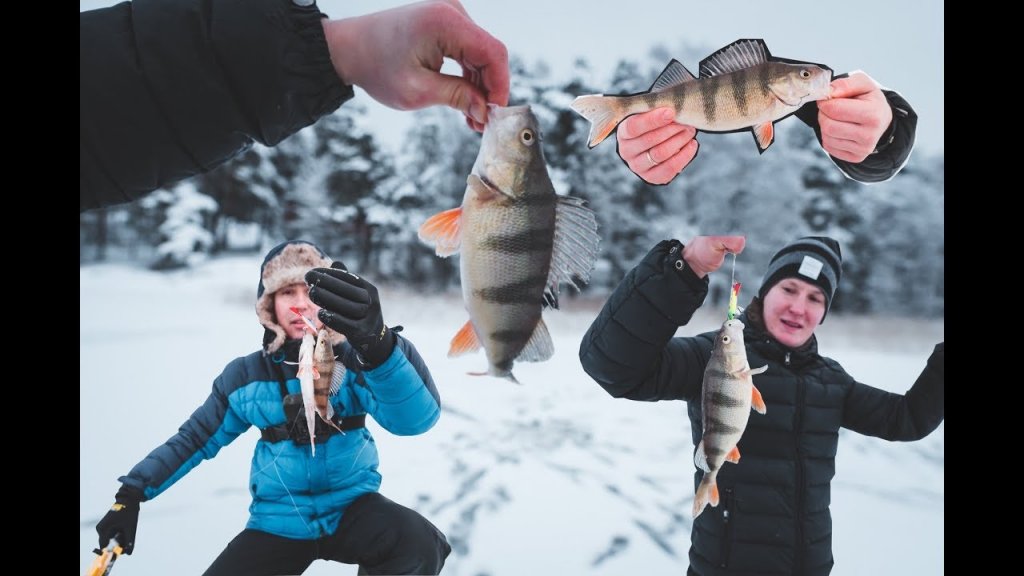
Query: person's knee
[{"x": 422, "y": 540}]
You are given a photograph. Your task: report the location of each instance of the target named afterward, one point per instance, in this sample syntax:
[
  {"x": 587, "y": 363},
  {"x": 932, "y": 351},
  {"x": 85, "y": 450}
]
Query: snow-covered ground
[{"x": 553, "y": 477}]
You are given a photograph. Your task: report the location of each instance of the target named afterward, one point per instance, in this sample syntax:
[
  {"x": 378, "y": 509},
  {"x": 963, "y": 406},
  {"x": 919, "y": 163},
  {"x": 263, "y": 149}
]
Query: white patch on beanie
[{"x": 810, "y": 267}]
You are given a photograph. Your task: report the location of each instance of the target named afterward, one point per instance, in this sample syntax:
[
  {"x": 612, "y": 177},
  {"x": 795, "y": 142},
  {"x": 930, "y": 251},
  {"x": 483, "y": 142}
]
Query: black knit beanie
[{"x": 813, "y": 259}]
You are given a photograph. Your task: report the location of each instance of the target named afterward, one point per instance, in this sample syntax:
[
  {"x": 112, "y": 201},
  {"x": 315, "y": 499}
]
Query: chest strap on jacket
[{"x": 323, "y": 431}]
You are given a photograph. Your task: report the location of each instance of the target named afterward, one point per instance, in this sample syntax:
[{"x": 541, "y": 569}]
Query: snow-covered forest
[{"x": 335, "y": 184}]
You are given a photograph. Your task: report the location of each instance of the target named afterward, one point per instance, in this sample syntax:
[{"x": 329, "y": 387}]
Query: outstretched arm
[
  {"x": 172, "y": 88},
  {"x": 911, "y": 416}
]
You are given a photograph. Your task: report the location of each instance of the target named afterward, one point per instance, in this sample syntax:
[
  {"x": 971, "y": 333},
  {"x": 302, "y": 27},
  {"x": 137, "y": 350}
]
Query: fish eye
[
  {"x": 805, "y": 73},
  {"x": 527, "y": 137},
  {"x": 725, "y": 339}
]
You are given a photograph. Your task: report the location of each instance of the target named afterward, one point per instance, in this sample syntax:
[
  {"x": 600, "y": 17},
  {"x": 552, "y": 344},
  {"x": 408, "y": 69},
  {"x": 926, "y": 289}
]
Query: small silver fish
[
  {"x": 307, "y": 374},
  {"x": 328, "y": 375}
]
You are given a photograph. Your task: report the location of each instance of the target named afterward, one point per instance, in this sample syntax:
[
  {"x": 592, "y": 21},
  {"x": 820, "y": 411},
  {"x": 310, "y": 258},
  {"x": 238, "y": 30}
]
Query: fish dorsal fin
[
  {"x": 337, "y": 377},
  {"x": 673, "y": 75},
  {"x": 539, "y": 347},
  {"x": 575, "y": 247},
  {"x": 734, "y": 57},
  {"x": 464, "y": 341},
  {"x": 443, "y": 231}
]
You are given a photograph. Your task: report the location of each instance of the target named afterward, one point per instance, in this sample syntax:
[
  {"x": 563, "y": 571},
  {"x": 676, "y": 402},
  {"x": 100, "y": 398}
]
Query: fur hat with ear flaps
[{"x": 285, "y": 264}]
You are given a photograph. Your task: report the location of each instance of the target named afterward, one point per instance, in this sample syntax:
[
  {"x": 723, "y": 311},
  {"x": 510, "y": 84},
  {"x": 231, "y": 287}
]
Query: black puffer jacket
[
  {"x": 777, "y": 498},
  {"x": 172, "y": 88}
]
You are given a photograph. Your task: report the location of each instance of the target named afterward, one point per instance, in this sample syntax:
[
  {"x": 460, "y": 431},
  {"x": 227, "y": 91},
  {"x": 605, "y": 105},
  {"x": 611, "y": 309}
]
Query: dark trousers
[{"x": 382, "y": 537}]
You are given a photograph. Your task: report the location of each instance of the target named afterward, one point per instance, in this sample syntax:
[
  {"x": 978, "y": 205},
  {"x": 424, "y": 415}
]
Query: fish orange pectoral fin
[
  {"x": 464, "y": 341},
  {"x": 443, "y": 231},
  {"x": 733, "y": 455},
  {"x": 756, "y": 401},
  {"x": 764, "y": 135}
]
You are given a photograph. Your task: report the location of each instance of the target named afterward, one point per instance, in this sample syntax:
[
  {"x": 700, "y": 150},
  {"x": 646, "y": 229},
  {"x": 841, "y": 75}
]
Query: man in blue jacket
[{"x": 306, "y": 507}]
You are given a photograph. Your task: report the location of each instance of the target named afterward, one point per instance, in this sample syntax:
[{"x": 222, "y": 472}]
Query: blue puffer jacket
[{"x": 294, "y": 494}]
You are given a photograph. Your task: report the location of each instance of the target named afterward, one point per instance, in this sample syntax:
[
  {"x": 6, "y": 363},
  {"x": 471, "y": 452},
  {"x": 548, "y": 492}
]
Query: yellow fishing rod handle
[{"x": 105, "y": 560}]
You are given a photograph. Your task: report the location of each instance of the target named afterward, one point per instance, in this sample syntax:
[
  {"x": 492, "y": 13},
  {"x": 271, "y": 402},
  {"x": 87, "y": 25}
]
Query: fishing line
[
  {"x": 734, "y": 293},
  {"x": 732, "y": 281}
]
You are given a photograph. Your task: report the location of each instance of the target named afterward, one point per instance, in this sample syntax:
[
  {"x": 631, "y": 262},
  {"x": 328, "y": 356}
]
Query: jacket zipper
[
  {"x": 727, "y": 526},
  {"x": 800, "y": 471}
]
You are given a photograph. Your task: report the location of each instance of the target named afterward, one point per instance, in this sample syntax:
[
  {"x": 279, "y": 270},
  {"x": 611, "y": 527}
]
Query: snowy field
[{"x": 553, "y": 477}]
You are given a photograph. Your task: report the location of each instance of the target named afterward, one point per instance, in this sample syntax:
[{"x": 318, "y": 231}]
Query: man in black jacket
[
  {"x": 773, "y": 517},
  {"x": 172, "y": 88},
  {"x": 868, "y": 133}
]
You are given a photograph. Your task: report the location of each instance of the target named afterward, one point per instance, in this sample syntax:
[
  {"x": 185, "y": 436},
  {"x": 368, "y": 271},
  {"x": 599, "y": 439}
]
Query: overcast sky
[{"x": 899, "y": 43}]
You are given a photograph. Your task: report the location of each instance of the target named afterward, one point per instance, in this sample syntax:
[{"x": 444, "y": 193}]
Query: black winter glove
[
  {"x": 350, "y": 305},
  {"x": 122, "y": 519}
]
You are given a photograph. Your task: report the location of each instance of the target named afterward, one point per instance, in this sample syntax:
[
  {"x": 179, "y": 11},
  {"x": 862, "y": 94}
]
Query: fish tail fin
[
  {"x": 707, "y": 493},
  {"x": 603, "y": 112},
  {"x": 506, "y": 375},
  {"x": 700, "y": 460},
  {"x": 464, "y": 341},
  {"x": 443, "y": 231}
]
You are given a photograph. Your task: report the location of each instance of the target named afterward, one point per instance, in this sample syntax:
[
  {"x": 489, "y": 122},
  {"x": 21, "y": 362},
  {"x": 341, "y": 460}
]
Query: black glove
[
  {"x": 122, "y": 519},
  {"x": 350, "y": 305}
]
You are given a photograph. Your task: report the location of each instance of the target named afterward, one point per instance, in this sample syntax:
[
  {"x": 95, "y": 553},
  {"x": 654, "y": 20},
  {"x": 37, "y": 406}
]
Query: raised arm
[
  {"x": 629, "y": 349},
  {"x": 905, "y": 417}
]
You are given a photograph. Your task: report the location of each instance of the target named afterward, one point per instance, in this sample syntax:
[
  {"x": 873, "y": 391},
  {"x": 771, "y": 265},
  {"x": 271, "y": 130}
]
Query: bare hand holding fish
[
  {"x": 855, "y": 118},
  {"x": 518, "y": 240},
  {"x": 418, "y": 38},
  {"x": 705, "y": 254},
  {"x": 654, "y": 146}
]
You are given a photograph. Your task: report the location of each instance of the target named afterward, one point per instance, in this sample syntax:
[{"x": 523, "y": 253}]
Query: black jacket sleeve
[
  {"x": 912, "y": 416},
  {"x": 630, "y": 350},
  {"x": 893, "y": 148},
  {"x": 172, "y": 88}
]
